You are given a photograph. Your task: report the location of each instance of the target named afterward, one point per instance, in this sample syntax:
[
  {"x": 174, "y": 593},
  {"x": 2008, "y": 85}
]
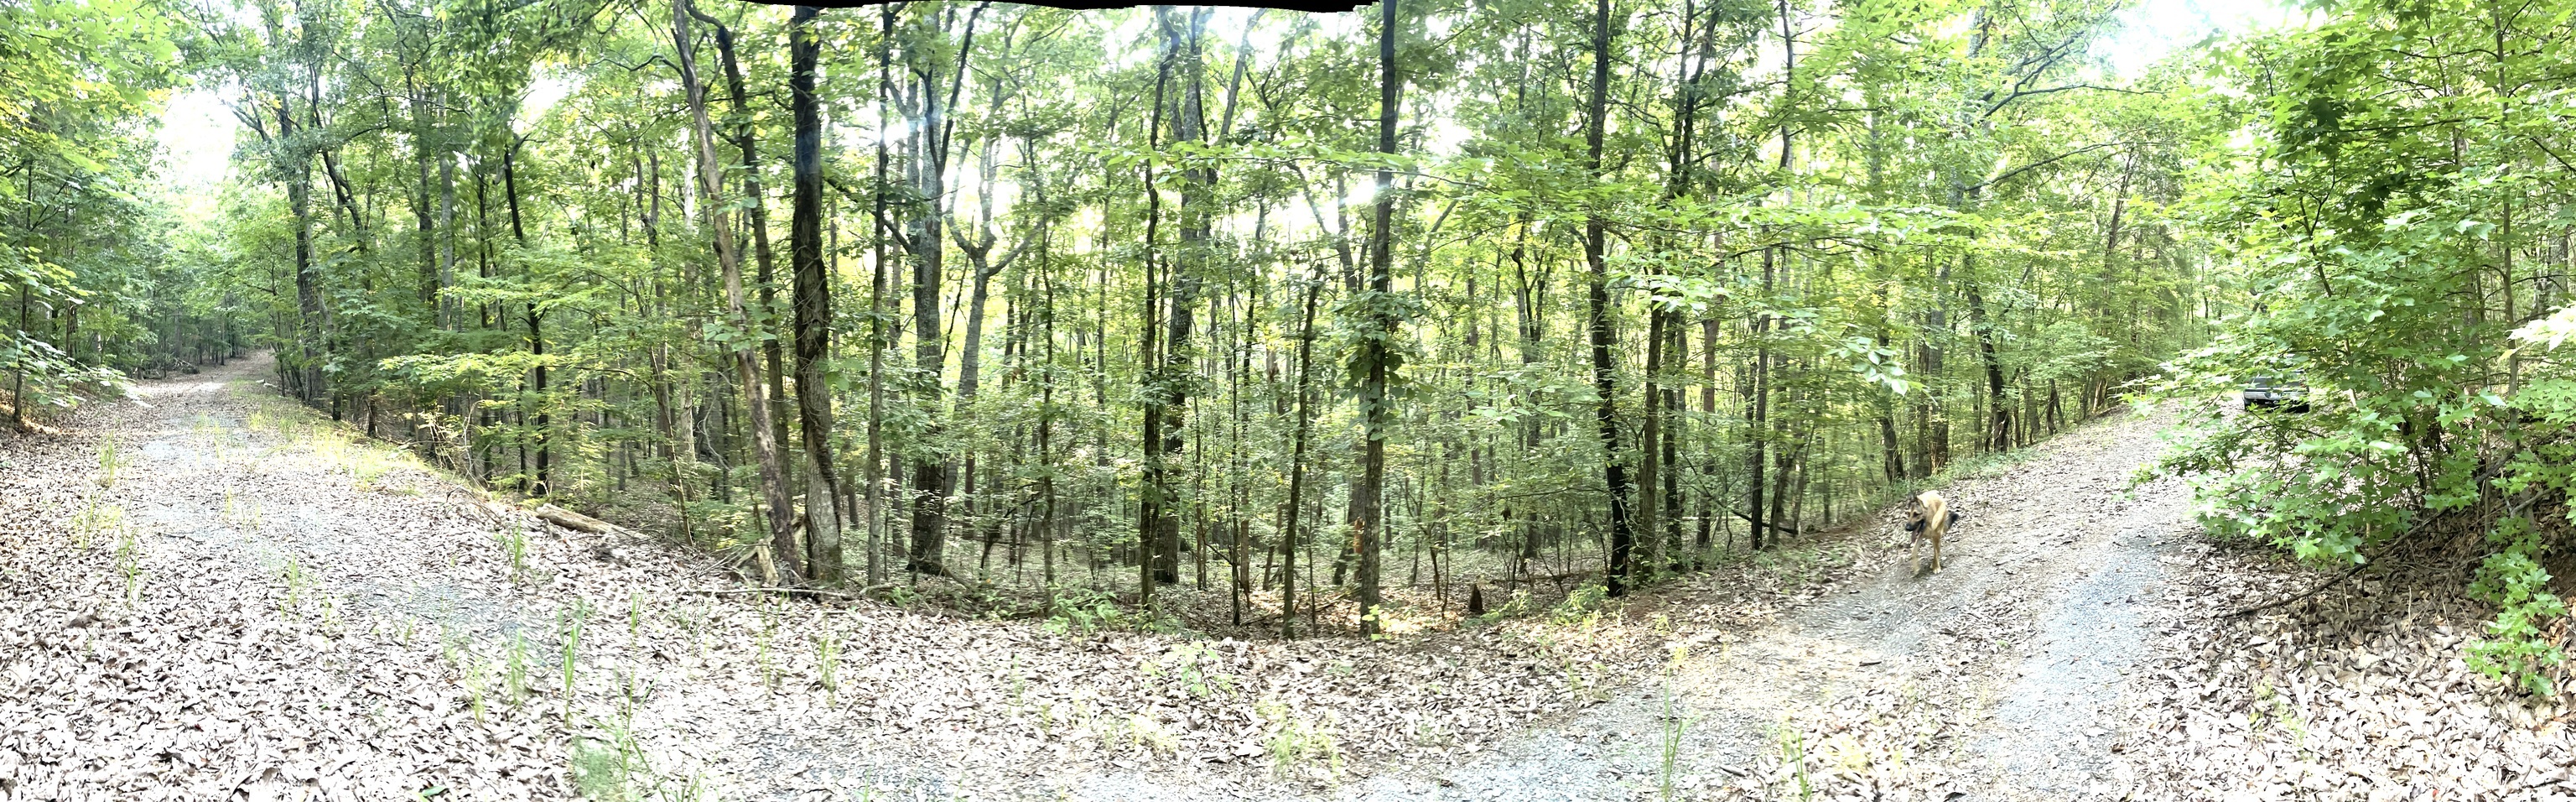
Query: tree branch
[
  {"x": 2023, "y": 93},
  {"x": 2301, "y": 597},
  {"x": 2046, "y": 162}
]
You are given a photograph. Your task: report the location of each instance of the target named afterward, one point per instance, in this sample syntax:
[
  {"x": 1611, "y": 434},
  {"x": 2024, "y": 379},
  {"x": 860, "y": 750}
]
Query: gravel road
[
  {"x": 250, "y": 541},
  {"x": 1992, "y": 677}
]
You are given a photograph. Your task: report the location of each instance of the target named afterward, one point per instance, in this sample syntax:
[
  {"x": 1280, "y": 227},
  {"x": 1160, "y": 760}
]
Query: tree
[
  {"x": 773, "y": 480},
  {"x": 1377, "y": 360},
  {"x": 2388, "y": 250},
  {"x": 813, "y": 303},
  {"x": 1614, "y": 472}
]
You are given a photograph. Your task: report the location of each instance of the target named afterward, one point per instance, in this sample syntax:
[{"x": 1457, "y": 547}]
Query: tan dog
[{"x": 1931, "y": 518}]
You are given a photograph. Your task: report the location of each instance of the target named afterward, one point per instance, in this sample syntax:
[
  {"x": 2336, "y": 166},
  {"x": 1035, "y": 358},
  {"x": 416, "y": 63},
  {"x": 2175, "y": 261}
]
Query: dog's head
[{"x": 1919, "y": 512}]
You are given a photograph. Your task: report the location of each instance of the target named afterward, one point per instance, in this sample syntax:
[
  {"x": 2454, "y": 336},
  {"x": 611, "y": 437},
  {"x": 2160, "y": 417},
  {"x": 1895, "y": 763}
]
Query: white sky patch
[
  {"x": 2155, "y": 29},
  {"x": 1363, "y": 191},
  {"x": 196, "y": 140},
  {"x": 864, "y": 128},
  {"x": 1128, "y": 42},
  {"x": 543, "y": 94}
]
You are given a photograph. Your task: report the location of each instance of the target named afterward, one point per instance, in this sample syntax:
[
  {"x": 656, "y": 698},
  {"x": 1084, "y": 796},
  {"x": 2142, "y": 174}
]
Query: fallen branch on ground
[
  {"x": 829, "y": 594},
  {"x": 2311, "y": 592},
  {"x": 574, "y": 520},
  {"x": 554, "y": 515}
]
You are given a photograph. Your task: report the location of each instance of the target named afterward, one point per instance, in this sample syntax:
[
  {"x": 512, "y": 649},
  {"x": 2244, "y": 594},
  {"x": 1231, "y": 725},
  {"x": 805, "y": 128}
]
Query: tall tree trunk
[
  {"x": 873, "y": 474},
  {"x": 755, "y": 207},
  {"x": 1188, "y": 276},
  {"x": 1530, "y": 319},
  {"x": 447, "y": 317},
  {"x": 423, "y": 216},
  {"x": 1999, "y": 421},
  {"x": 1297, "y": 462},
  {"x": 536, "y": 331},
  {"x": 1046, "y": 406},
  {"x": 1156, "y": 494},
  {"x": 1931, "y": 426},
  {"x": 1891, "y": 456},
  {"x": 308, "y": 271},
  {"x": 1368, "y": 517},
  {"x": 1712, "y": 502},
  {"x": 18, "y": 371},
  {"x": 1676, "y": 352},
  {"x": 813, "y": 302},
  {"x": 781, "y": 508},
  {"x": 1650, "y": 437},
  {"x": 1605, "y": 379},
  {"x": 932, "y": 476},
  {"x": 1762, "y": 433}
]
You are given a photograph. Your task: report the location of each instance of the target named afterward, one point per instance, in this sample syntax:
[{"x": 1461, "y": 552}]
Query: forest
[{"x": 1230, "y": 402}]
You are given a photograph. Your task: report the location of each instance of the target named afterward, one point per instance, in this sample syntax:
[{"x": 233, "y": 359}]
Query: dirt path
[
  {"x": 252, "y": 604},
  {"x": 1993, "y": 677}
]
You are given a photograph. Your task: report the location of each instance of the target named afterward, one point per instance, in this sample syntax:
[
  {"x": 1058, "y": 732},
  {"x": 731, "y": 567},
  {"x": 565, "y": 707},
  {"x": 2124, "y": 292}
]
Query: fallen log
[
  {"x": 574, "y": 520},
  {"x": 828, "y": 594},
  {"x": 553, "y": 515}
]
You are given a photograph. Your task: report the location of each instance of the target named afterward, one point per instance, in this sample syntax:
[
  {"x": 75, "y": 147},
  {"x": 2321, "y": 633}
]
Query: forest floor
[{"x": 207, "y": 593}]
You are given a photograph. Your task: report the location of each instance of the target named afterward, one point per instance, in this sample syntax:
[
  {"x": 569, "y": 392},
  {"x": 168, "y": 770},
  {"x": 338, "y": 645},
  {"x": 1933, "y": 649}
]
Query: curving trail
[
  {"x": 1995, "y": 678},
  {"x": 253, "y": 605}
]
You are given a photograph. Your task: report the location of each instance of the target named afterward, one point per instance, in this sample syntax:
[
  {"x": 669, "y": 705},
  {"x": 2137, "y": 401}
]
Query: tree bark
[
  {"x": 1604, "y": 372},
  {"x": 813, "y": 302},
  {"x": 781, "y": 508},
  {"x": 1999, "y": 425},
  {"x": 1156, "y": 501},
  {"x": 873, "y": 474},
  {"x": 536, "y": 331},
  {"x": 932, "y": 476},
  {"x": 757, "y": 209},
  {"x": 1368, "y": 517},
  {"x": 308, "y": 272}
]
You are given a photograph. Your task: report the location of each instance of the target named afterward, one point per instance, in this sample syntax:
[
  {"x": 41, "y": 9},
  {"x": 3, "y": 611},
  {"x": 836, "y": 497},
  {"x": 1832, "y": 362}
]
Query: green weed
[
  {"x": 1793, "y": 753},
  {"x": 1145, "y": 731},
  {"x": 130, "y": 564},
  {"x": 1185, "y": 664},
  {"x": 291, "y": 574},
  {"x": 1295, "y": 741},
  {"x": 514, "y": 679},
  {"x": 108, "y": 463},
  {"x": 473, "y": 681},
  {"x": 599, "y": 771},
  {"x": 1083, "y": 611},
  {"x": 571, "y": 653},
  {"x": 96, "y": 521},
  {"x": 1582, "y": 608},
  {"x": 760, "y": 640},
  {"x": 827, "y": 659},
  {"x": 514, "y": 547}
]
